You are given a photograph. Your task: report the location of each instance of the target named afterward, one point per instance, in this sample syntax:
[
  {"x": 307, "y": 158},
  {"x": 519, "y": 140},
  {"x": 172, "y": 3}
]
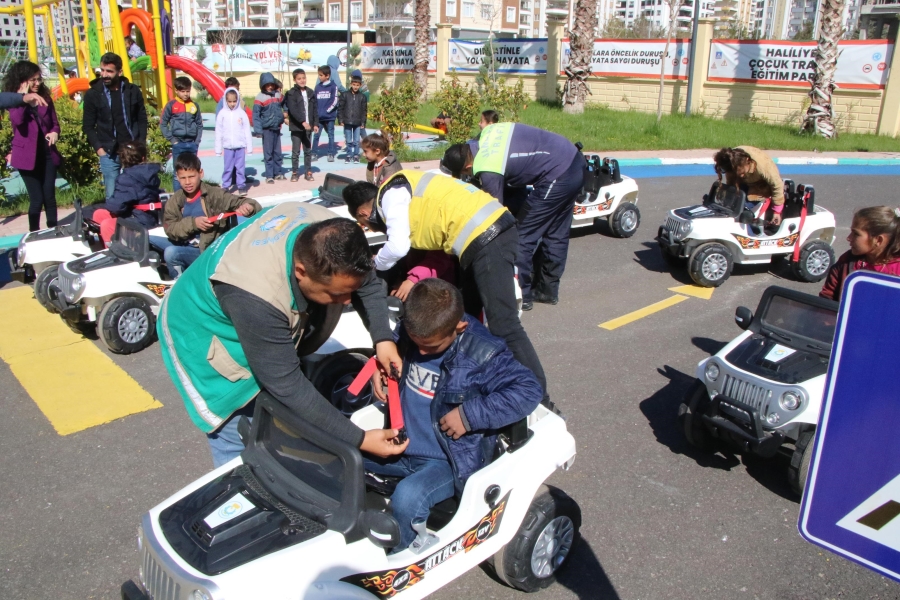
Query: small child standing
[
  {"x": 327, "y": 98},
  {"x": 267, "y": 120},
  {"x": 448, "y": 356},
  {"x": 234, "y": 140},
  {"x": 382, "y": 162},
  {"x": 181, "y": 122},
  {"x": 234, "y": 83},
  {"x": 352, "y": 112},
  {"x": 302, "y": 117},
  {"x": 874, "y": 246}
]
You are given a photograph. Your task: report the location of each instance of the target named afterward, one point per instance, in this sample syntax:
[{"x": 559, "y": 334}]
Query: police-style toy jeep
[
  {"x": 725, "y": 230},
  {"x": 762, "y": 392},
  {"x": 296, "y": 516},
  {"x": 607, "y": 194}
]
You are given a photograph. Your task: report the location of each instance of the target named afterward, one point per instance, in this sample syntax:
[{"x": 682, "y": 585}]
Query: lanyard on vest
[
  {"x": 394, "y": 408},
  {"x": 124, "y": 112}
]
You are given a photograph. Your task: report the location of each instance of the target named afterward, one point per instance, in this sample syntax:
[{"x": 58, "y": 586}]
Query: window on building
[
  {"x": 334, "y": 13},
  {"x": 356, "y": 11},
  {"x": 7, "y": 32},
  {"x": 15, "y": 21},
  {"x": 468, "y": 9},
  {"x": 630, "y": 15},
  {"x": 6, "y": 21},
  {"x": 451, "y": 8},
  {"x": 487, "y": 11},
  {"x": 510, "y": 14}
]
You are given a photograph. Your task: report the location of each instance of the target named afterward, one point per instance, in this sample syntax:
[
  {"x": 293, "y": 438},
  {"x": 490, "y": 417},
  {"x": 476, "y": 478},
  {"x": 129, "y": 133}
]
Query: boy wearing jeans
[
  {"x": 448, "y": 355},
  {"x": 302, "y": 117},
  {"x": 352, "y": 112},
  {"x": 181, "y": 122},
  {"x": 267, "y": 119},
  {"x": 327, "y": 97}
]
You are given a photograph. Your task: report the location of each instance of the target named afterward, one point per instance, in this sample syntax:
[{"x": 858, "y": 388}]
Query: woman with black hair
[{"x": 35, "y": 133}]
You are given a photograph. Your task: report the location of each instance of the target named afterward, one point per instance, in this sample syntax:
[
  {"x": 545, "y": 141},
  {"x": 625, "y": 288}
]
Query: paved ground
[{"x": 660, "y": 521}]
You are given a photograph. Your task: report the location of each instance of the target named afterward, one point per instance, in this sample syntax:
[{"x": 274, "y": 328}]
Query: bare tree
[
  {"x": 229, "y": 38},
  {"x": 675, "y": 8},
  {"x": 820, "y": 114},
  {"x": 423, "y": 27},
  {"x": 581, "y": 50},
  {"x": 392, "y": 18}
]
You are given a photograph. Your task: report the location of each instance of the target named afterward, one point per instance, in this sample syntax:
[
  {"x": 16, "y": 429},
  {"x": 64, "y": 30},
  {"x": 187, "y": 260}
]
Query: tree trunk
[
  {"x": 819, "y": 118},
  {"x": 423, "y": 27},
  {"x": 675, "y": 8},
  {"x": 581, "y": 49}
]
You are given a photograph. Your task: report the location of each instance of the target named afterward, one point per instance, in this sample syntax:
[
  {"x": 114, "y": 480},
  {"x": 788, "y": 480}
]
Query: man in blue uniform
[{"x": 510, "y": 157}]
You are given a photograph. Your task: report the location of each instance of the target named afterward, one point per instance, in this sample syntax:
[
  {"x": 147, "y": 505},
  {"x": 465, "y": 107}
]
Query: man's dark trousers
[
  {"x": 489, "y": 283},
  {"x": 546, "y": 219}
]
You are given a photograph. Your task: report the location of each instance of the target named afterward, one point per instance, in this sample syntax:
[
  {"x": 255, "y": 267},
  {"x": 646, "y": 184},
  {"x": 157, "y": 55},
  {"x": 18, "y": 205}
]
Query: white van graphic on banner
[{"x": 862, "y": 64}]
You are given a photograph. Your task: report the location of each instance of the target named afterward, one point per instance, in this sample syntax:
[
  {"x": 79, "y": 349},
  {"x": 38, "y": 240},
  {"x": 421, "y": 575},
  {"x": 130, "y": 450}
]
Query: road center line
[
  {"x": 73, "y": 383},
  {"x": 643, "y": 312}
]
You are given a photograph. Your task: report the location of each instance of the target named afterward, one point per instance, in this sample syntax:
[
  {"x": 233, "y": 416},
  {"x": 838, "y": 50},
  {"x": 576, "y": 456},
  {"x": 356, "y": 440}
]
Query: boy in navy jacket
[
  {"x": 327, "y": 97},
  {"x": 181, "y": 122},
  {"x": 267, "y": 119},
  {"x": 448, "y": 356}
]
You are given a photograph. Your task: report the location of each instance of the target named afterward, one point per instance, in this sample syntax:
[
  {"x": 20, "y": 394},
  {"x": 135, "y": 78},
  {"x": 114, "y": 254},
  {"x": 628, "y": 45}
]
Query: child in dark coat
[
  {"x": 302, "y": 116},
  {"x": 352, "y": 112},
  {"x": 267, "y": 119},
  {"x": 327, "y": 98}
]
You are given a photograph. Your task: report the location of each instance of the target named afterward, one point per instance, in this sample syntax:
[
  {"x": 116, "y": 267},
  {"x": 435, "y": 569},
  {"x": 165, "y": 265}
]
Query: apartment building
[{"x": 659, "y": 12}]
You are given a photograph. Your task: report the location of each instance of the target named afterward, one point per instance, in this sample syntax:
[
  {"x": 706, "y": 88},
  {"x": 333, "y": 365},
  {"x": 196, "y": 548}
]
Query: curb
[
  {"x": 784, "y": 160},
  {"x": 10, "y": 241}
]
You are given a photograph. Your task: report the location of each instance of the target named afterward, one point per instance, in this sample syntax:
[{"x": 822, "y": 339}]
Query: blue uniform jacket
[{"x": 493, "y": 389}]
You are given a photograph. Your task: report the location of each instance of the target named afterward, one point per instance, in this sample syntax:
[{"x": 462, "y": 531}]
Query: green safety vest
[
  {"x": 493, "y": 148},
  {"x": 199, "y": 344}
]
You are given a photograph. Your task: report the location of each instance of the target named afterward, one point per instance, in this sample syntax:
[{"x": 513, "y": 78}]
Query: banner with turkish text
[
  {"x": 636, "y": 58},
  {"x": 511, "y": 55},
  {"x": 398, "y": 58}
]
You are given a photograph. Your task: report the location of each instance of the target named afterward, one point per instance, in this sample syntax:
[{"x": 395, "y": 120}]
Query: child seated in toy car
[
  {"x": 754, "y": 172},
  {"x": 459, "y": 385},
  {"x": 136, "y": 194}
]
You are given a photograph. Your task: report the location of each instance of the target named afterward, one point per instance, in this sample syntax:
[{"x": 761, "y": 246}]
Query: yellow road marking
[
  {"x": 74, "y": 384},
  {"x": 696, "y": 291},
  {"x": 643, "y": 312}
]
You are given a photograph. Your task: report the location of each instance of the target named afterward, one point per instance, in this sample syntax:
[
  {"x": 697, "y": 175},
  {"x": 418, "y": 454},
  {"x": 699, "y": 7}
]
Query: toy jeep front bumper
[
  {"x": 69, "y": 312},
  {"x": 17, "y": 272},
  {"x": 667, "y": 243},
  {"x": 740, "y": 423}
]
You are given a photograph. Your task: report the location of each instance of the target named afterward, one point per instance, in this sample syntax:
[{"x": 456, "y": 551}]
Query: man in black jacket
[{"x": 114, "y": 114}]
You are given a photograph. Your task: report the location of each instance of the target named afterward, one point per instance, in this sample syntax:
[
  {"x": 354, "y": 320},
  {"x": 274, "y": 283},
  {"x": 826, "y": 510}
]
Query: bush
[
  {"x": 158, "y": 147},
  {"x": 462, "y": 103},
  {"x": 398, "y": 109},
  {"x": 507, "y": 100},
  {"x": 81, "y": 165}
]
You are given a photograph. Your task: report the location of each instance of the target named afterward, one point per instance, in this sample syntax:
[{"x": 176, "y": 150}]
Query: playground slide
[
  {"x": 207, "y": 77},
  {"x": 76, "y": 84}
]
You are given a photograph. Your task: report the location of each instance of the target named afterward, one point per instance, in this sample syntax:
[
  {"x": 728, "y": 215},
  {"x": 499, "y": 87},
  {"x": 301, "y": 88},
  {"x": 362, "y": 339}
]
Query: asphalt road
[{"x": 659, "y": 520}]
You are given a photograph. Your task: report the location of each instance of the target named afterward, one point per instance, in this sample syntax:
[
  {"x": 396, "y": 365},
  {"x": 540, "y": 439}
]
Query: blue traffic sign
[{"x": 851, "y": 505}]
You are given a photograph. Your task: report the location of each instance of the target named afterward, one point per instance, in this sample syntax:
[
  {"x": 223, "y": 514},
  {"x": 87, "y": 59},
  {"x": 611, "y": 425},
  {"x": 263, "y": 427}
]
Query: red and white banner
[
  {"x": 862, "y": 64},
  {"x": 399, "y": 58},
  {"x": 636, "y": 58}
]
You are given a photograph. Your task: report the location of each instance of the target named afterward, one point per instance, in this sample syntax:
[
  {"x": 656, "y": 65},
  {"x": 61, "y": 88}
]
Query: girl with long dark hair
[{"x": 35, "y": 133}]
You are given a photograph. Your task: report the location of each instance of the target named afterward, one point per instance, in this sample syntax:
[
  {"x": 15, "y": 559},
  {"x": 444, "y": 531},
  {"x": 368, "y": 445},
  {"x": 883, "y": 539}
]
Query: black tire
[
  {"x": 335, "y": 374},
  {"x": 552, "y": 516},
  {"x": 695, "y": 402},
  {"x": 625, "y": 221},
  {"x": 670, "y": 259},
  {"x": 816, "y": 258},
  {"x": 126, "y": 325},
  {"x": 42, "y": 286},
  {"x": 710, "y": 264},
  {"x": 798, "y": 470}
]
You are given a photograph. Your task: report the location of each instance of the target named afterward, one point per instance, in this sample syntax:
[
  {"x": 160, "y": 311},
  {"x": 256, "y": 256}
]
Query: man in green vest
[{"x": 258, "y": 299}]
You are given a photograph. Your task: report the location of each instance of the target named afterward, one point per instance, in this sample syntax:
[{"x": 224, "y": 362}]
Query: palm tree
[
  {"x": 423, "y": 27},
  {"x": 820, "y": 114},
  {"x": 581, "y": 48}
]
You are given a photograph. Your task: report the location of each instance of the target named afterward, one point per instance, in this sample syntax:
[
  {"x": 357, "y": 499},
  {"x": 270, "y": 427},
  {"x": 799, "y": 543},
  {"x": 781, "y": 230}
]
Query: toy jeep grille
[
  {"x": 160, "y": 585},
  {"x": 746, "y": 392},
  {"x": 672, "y": 224}
]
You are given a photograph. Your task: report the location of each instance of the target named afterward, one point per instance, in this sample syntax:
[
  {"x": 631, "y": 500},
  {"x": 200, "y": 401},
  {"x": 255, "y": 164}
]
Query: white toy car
[
  {"x": 297, "y": 517},
  {"x": 331, "y": 197},
  {"x": 762, "y": 392},
  {"x": 711, "y": 238},
  {"x": 116, "y": 291},
  {"x": 607, "y": 193}
]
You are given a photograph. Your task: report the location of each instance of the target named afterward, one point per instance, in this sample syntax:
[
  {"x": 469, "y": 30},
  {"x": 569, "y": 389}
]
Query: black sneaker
[
  {"x": 347, "y": 161},
  {"x": 527, "y": 305},
  {"x": 545, "y": 298}
]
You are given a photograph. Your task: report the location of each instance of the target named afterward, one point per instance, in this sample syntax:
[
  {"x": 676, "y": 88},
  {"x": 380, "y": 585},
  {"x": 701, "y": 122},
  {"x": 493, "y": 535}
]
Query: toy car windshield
[
  {"x": 810, "y": 320},
  {"x": 726, "y": 199},
  {"x": 331, "y": 193},
  {"x": 130, "y": 241}
]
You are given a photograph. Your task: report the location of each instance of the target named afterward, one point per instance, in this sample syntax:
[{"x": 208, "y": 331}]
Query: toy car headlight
[
  {"x": 140, "y": 538},
  {"x": 712, "y": 371},
  {"x": 20, "y": 252},
  {"x": 200, "y": 595},
  {"x": 683, "y": 230},
  {"x": 790, "y": 400}
]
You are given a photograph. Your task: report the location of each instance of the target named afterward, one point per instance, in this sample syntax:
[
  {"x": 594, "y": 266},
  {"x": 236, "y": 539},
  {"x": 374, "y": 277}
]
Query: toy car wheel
[
  {"x": 85, "y": 328},
  {"x": 543, "y": 543},
  {"x": 126, "y": 325},
  {"x": 798, "y": 470},
  {"x": 689, "y": 419},
  {"x": 333, "y": 377},
  {"x": 626, "y": 220},
  {"x": 816, "y": 257},
  {"x": 42, "y": 286},
  {"x": 710, "y": 265}
]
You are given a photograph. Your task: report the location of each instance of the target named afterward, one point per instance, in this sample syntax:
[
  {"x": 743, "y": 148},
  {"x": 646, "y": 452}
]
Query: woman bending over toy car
[
  {"x": 755, "y": 172},
  {"x": 874, "y": 246}
]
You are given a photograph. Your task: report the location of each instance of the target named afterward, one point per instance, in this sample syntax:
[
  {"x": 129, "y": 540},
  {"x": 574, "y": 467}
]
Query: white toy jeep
[
  {"x": 762, "y": 392},
  {"x": 723, "y": 231},
  {"x": 116, "y": 291},
  {"x": 607, "y": 193},
  {"x": 331, "y": 197},
  {"x": 297, "y": 517}
]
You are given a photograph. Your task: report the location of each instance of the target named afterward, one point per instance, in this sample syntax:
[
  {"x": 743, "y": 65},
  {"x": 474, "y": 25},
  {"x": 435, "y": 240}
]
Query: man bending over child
[{"x": 448, "y": 355}]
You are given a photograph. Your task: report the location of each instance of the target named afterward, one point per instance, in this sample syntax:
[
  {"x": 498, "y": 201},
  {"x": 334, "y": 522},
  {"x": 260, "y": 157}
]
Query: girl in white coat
[{"x": 234, "y": 140}]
